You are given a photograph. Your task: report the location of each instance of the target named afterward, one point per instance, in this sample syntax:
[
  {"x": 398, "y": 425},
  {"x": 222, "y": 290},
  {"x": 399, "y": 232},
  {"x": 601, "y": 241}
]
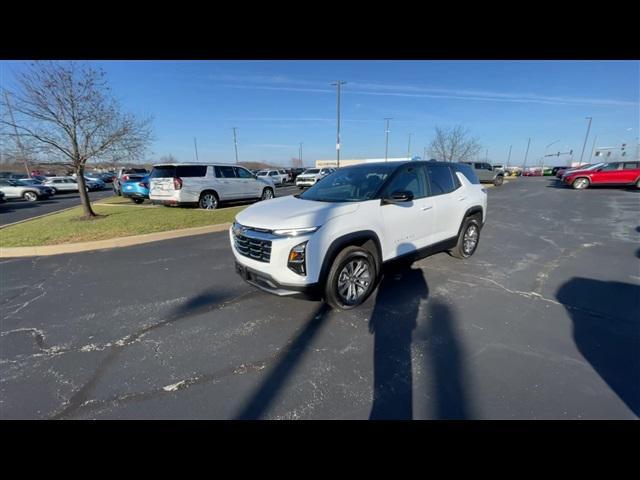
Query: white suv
[
  {"x": 333, "y": 239},
  {"x": 311, "y": 176},
  {"x": 205, "y": 185},
  {"x": 279, "y": 177}
]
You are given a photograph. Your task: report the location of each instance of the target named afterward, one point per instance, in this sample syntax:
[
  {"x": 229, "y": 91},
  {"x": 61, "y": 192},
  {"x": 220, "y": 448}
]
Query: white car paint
[
  {"x": 229, "y": 182},
  {"x": 279, "y": 177},
  {"x": 401, "y": 228},
  {"x": 310, "y": 177}
]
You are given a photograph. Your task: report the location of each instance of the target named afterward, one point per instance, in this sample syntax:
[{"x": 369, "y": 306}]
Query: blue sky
[{"x": 277, "y": 104}]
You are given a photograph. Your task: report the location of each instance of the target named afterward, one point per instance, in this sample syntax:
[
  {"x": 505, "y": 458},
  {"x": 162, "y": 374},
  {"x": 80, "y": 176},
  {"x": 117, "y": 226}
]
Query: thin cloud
[{"x": 413, "y": 91}]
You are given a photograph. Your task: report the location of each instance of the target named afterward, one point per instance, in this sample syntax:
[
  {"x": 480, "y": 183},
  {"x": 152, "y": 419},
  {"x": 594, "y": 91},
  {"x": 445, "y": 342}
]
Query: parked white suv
[
  {"x": 206, "y": 185},
  {"x": 311, "y": 176},
  {"x": 279, "y": 177},
  {"x": 332, "y": 239}
]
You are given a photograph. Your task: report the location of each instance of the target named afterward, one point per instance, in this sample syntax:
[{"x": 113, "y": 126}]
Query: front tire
[
  {"x": 498, "y": 180},
  {"x": 468, "y": 239},
  {"x": 351, "y": 279},
  {"x": 137, "y": 201},
  {"x": 30, "y": 196},
  {"x": 267, "y": 194},
  {"x": 580, "y": 183},
  {"x": 208, "y": 200}
]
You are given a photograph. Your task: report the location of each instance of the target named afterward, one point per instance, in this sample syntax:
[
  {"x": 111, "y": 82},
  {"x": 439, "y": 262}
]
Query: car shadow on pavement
[
  {"x": 606, "y": 330},
  {"x": 260, "y": 401}
]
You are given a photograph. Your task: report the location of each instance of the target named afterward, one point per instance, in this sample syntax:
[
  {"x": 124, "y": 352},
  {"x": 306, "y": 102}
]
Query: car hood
[{"x": 292, "y": 212}]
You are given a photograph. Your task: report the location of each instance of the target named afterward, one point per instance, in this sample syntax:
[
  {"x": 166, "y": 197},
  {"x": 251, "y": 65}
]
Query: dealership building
[{"x": 346, "y": 162}]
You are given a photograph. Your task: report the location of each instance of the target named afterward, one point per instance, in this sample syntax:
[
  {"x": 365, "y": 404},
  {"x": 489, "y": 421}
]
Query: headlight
[
  {"x": 297, "y": 259},
  {"x": 294, "y": 232}
]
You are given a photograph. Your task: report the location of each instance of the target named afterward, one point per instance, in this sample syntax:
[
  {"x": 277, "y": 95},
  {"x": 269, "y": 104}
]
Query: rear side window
[
  {"x": 242, "y": 173},
  {"x": 467, "y": 171},
  {"x": 630, "y": 165},
  {"x": 440, "y": 179},
  {"x": 168, "y": 171},
  {"x": 191, "y": 170},
  {"x": 225, "y": 172}
]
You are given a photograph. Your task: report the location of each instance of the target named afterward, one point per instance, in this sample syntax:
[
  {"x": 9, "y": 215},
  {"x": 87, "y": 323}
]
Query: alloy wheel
[
  {"x": 470, "y": 239},
  {"x": 354, "y": 280}
]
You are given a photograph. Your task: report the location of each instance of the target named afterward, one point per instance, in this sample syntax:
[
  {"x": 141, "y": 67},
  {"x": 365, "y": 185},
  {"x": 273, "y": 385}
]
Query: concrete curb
[{"x": 46, "y": 250}]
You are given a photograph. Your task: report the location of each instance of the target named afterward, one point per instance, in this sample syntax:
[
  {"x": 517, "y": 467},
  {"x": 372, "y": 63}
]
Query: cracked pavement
[{"x": 541, "y": 323}]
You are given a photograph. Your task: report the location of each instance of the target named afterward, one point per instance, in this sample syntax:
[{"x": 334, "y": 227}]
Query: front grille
[{"x": 255, "y": 248}]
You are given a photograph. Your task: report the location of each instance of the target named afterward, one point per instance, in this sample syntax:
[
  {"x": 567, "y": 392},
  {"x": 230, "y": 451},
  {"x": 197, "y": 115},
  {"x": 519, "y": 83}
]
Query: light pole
[
  {"x": 509, "y": 157},
  {"x": 526, "y": 154},
  {"x": 545, "y": 153},
  {"x": 409, "y": 148},
  {"x": 235, "y": 143},
  {"x": 386, "y": 141},
  {"x": 195, "y": 144},
  {"x": 300, "y": 155},
  {"x": 338, "y": 84},
  {"x": 585, "y": 138}
]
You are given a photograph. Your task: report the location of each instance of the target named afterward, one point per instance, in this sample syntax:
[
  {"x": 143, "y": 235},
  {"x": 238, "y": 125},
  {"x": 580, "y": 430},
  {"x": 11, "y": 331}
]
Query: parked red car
[{"x": 614, "y": 173}]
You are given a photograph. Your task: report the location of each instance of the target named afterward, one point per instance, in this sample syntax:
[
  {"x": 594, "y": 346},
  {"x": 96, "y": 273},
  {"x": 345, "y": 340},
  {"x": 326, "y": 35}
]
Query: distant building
[{"x": 346, "y": 162}]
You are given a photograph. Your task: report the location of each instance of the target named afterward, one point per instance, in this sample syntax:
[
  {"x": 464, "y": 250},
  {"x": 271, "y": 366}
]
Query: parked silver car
[
  {"x": 31, "y": 193},
  {"x": 62, "y": 184}
]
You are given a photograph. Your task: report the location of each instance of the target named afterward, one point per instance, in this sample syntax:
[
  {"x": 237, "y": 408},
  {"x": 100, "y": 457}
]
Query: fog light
[{"x": 296, "y": 261}]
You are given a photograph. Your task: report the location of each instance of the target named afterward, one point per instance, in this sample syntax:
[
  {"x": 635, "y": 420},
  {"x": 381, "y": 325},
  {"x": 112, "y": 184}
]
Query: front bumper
[{"x": 268, "y": 284}]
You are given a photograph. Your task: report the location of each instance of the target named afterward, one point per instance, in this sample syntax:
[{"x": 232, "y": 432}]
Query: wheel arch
[{"x": 367, "y": 239}]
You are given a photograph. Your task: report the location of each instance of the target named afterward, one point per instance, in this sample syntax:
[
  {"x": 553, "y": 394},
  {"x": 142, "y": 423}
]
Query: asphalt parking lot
[
  {"x": 18, "y": 210},
  {"x": 541, "y": 323}
]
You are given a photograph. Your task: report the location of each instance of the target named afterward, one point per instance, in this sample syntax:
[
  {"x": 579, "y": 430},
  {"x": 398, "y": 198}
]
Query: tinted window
[
  {"x": 312, "y": 171},
  {"x": 191, "y": 170},
  {"x": 440, "y": 179},
  {"x": 467, "y": 171},
  {"x": 4, "y": 183},
  {"x": 610, "y": 166},
  {"x": 168, "y": 171},
  {"x": 225, "y": 172},
  {"x": 408, "y": 179},
  {"x": 630, "y": 166},
  {"x": 242, "y": 173},
  {"x": 273, "y": 174}
]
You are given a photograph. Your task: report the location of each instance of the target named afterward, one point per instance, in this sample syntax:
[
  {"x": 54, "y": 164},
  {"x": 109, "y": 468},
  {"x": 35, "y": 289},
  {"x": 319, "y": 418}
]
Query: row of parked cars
[
  {"x": 206, "y": 186},
  {"x": 601, "y": 174},
  {"x": 41, "y": 187}
]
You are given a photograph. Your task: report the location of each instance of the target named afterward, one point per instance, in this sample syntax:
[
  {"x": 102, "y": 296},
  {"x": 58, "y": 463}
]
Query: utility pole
[
  {"x": 235, "y": 143},
  {"x": 593, "y": 148},
  {"x": 18, "y": 142},
  {"x": 409, "y": 148},
  {"x": 585, "y": 138},
  {"x": 386, "y": 141},
  {"x": 195, "y": 143},
  {"x": 526, "y": 154},
  {"x": 300, "y": 155},
  {"x": 338, "y": 84},
  {"x": 509, "y": 157}
]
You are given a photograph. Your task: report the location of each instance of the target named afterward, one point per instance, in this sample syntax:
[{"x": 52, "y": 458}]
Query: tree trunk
[{"x": 84, "y": 196}]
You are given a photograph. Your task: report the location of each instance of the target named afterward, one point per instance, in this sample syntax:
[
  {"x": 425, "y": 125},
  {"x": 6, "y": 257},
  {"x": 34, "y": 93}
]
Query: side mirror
[{"x": 399, "y": 197}]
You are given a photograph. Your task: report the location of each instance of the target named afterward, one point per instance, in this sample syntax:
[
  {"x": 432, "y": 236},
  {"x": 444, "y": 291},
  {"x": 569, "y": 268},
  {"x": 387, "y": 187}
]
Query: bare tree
[
  {"x": 168, "y": 159},
  {"x": 454, "y": 144},
  {"x": 67, "y": 108}
]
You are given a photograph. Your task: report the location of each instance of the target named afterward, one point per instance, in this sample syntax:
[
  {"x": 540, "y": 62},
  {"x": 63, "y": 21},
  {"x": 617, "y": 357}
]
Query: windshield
[
  {"x": 349, "y": 184},
  {"x": 312, "y": 171},
  {"x": 262, "y": 173}
]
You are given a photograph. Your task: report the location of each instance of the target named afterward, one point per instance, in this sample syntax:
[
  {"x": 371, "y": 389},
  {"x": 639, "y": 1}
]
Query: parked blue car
[{"x": 136, "y": 190}]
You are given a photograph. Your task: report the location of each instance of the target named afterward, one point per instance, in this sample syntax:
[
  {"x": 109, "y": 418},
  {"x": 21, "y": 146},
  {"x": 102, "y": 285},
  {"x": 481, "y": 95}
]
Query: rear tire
[
  {"x": 468, "y": 239},
  {"x": 208, "y": 200},
  {"x": 580, "y": 183},
  {"x": 137, "y": 201},
  {"x": 351, "y": 279},
  {"x": 498, "y": 180}
]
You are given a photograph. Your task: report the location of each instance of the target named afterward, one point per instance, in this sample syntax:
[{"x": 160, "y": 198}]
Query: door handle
[
  {"x": 462, "y": 198},
  {"x": 429, "y": 207}
]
